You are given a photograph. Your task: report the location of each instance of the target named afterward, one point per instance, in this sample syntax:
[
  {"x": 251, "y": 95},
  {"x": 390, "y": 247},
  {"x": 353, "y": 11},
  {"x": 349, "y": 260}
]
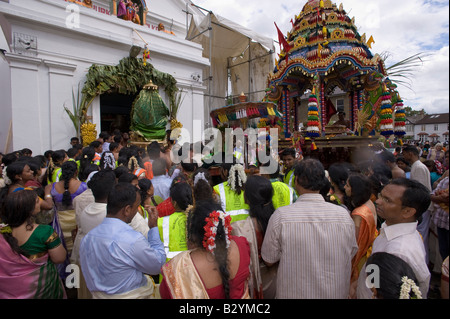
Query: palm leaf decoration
[
  {"x": 76, "y": 115},
  {"x": 403, "y": 71},
  {"x": 175, "y": 102}
]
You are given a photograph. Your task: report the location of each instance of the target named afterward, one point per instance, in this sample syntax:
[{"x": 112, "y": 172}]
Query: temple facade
[{"x": 48, "y": 47}]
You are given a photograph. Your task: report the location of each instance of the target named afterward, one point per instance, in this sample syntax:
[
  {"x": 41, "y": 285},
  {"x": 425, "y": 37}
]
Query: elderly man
[
  {"x": 401, "y": 203},
  {"x": 313, "y": 241}
]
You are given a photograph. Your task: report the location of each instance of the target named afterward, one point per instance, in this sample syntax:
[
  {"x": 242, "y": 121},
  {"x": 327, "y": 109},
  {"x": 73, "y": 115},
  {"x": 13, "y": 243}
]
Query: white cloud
[
  {"x": 431, "y": 84},
  {"x": 400, "y": 27}
]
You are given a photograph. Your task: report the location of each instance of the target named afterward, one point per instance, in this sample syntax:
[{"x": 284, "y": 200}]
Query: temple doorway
[{"x": 115, "y": 111}]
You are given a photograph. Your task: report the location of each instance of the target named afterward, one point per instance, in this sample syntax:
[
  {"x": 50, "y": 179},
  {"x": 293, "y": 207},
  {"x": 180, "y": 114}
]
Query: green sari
[{"x": 35, "y": 277}]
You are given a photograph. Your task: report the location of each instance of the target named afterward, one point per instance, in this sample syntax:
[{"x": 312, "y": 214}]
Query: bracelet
[{"x": 48, "y": 196}]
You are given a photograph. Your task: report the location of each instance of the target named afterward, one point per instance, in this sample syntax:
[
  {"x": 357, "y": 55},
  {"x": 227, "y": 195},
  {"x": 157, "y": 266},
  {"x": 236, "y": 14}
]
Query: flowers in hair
[
  {"x": 407, "y": 286},
  {"x": 242, "y": 177},
  {"x": 212, "y": 222},
  {"x": 200, "y": 176},
  {"x": 5, "y": 177}
]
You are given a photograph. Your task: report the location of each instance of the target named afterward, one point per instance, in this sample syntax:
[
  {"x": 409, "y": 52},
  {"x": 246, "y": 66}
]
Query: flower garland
[
  {"x": 313, "y": 117},
  {"x": 212, "y": 222},
  {"x": 407, "y": 286},
  {"x": 386, "y": 122},
  {"x": 285, "y": 108},
  {"x": 400, "y": 119},
  {"x": 322, "y": 104},
  {"x": 146, "y": 56},
  {"x": 5, "y": 229},
  {"x": 242, "y": 177},
  {"x": 5, "y": 177}
]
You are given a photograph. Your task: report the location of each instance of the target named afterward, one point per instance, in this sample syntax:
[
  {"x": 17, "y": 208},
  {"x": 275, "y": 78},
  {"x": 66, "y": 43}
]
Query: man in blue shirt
[{"x": 115, "y": 259}]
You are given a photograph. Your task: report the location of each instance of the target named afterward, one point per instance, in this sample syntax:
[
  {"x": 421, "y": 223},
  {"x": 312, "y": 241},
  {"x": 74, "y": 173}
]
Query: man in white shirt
[
  {"x": 91, "y": 216},
  {"x": 420, "y": 173},
  {"x": 401, "y": 203}
]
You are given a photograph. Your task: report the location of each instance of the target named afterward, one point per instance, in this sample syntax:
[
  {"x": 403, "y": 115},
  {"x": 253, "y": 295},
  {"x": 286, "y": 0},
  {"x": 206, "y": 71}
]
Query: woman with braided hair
[
  {"x": 172, "y": 228},
  {"x": 202, "y": 186},
  {"x": 63, "y": 193},
  {"x": 216, "y": 266},
  {"x": 231, "y": 192},
  {"x": 258, "y": 194},
  {"x": 54, "y": 166},
  {"x": 87, "y": 158},
  {"x": 133, "y": 161}
]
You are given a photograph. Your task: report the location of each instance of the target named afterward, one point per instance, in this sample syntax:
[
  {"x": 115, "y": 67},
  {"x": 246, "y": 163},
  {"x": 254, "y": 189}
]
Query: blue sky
[{"x": 400, "y": 27}]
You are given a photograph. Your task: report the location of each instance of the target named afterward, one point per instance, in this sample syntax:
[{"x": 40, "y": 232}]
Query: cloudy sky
[{"x": 399, "y": 27}]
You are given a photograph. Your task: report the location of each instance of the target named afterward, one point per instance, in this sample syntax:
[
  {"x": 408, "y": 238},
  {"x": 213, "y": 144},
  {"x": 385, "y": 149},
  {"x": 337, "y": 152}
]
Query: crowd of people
[{"x": 139, "y": 226}]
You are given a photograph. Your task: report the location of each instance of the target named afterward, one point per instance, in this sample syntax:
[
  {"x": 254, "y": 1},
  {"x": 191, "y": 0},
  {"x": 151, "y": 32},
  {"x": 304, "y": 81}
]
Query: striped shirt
[{"x": 314, "y": 241}]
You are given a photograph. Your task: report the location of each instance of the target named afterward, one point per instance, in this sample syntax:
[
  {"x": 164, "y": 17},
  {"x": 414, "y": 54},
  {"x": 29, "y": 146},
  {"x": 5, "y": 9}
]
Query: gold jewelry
[{"x": 48, "y": 196}]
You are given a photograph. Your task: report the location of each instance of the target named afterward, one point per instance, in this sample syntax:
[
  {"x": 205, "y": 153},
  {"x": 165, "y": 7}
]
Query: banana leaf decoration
[
  {"x": 149, "y": 114},
  {"x": 128, "y": 77},
  {"x": 76, "y": 115}
]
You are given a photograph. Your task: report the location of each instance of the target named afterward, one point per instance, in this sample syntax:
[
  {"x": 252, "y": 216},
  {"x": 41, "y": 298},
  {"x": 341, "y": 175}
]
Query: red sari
[{"x": 173, "y": 272}]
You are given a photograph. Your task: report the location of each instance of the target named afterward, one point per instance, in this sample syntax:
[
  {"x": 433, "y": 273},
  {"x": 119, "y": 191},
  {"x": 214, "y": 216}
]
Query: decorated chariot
[{"x": 324, "y": 51}]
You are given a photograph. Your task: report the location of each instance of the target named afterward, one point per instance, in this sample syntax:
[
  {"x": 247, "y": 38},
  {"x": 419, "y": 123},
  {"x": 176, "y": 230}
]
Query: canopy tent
[
  {"x": 230, "y": 46},
  {"x": 5, "y": 29}
]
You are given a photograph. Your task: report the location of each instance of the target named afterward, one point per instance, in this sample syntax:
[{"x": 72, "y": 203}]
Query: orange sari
[{"x": 367, "y": 234}]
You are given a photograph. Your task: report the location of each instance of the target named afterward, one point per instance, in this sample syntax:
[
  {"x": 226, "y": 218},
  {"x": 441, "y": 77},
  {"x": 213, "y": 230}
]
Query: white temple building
[{"x": 47, "y": 47}]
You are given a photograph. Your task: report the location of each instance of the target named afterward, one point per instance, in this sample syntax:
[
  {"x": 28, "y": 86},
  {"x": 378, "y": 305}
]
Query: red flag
[
  {"x": 331, "y": 110},
  {"x": 282, "y": 40}
]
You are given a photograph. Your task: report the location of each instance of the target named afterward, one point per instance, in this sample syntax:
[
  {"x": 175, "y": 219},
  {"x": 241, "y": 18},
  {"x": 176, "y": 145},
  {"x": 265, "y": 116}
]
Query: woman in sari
[
  {"x": 363, "y": 213},
  {"x": 63, "y": 193},
  {"x": 18, "y": 174},
  {"x": 146, "y": 189},
  {"x": 28, "y": 251},
  {"x": 121, "y": 9},
  {"x": 338, "y": 175},
  {"x": 258, "y": 193},
  {"x": 216, "y": 266}
]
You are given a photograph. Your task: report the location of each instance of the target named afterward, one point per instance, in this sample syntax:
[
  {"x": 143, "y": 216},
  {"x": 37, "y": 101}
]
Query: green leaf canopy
[{"x": 128, "y": 77}]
